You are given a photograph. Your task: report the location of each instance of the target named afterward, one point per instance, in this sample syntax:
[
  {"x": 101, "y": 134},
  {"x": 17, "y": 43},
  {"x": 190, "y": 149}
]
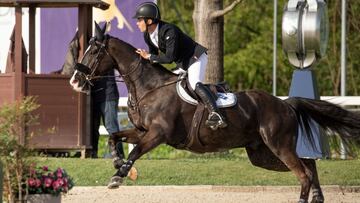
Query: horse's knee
[
  {"x": 125, "y": 168},
  {"x": 118, "y": 162}
]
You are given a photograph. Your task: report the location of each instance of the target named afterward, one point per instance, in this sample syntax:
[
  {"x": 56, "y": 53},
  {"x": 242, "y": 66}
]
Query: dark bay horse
[{"x": 265, "y": 125}]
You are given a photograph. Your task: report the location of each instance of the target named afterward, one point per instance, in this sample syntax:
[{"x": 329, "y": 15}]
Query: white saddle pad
[{"x": 224, "y": 99}]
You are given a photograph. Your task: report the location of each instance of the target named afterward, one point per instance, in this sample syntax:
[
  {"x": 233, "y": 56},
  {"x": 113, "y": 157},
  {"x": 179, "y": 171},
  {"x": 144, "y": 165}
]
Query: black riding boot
[{"x": 215, "y": 120}]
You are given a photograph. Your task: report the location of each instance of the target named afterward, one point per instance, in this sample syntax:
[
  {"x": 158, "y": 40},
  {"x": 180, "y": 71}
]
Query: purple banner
[{"x": 58, "y": 27}]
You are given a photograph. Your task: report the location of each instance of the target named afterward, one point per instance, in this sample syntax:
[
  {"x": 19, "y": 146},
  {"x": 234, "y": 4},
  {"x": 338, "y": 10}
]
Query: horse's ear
[
  {"x": 99, "y": 34},
  {"x": 103, "y": 30}
]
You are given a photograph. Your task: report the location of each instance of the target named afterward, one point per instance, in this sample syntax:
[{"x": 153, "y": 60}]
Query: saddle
[
  {"x": 224, "y": 99},
  {"x": 220, "y": 90}
]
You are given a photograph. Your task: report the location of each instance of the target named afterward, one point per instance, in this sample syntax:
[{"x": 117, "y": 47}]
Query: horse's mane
[
  {"x": 147, "y": 63},
  {"x": 160, "y": 67}
]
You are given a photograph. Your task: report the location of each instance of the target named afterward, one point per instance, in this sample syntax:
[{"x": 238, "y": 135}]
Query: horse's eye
[{"x": 92, "y": 41}]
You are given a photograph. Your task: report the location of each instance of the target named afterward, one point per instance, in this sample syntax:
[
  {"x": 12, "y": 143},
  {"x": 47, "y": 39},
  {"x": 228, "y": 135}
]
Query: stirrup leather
[{"x": 215, "y": 121}]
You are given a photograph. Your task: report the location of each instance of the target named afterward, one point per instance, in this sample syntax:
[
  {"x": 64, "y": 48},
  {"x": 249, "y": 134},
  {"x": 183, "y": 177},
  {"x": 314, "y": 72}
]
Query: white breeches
[{"x": 196, "y": 72}]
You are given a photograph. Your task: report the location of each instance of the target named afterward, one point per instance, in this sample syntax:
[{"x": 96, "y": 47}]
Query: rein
[
  {"x": 156, "y": 88},
  {"x": 91, "y": 76}
]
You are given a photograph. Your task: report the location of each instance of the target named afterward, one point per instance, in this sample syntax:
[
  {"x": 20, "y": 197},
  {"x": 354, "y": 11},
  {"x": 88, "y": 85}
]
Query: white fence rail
[{"x": 339, "y": 100}]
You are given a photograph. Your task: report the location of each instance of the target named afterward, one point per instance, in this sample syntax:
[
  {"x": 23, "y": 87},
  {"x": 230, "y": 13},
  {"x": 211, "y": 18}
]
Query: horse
[{"x": 266, "y": 126}]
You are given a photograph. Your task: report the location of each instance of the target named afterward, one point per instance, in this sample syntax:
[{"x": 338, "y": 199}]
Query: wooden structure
[{"x": 61, "y": 108}]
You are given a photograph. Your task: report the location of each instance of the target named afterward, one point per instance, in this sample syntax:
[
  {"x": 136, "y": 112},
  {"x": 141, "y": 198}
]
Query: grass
[{"x": 202, "y": 171}]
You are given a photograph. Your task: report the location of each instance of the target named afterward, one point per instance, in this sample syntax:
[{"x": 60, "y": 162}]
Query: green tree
[
  {"x": 248, "y": 38},
  {"x": 16, "y": 157}
]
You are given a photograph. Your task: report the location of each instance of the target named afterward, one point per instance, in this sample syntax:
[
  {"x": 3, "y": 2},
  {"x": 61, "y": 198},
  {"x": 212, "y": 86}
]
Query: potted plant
[
  {"x": 45, "y": 185},
  {"x": 17, "y": 159}
]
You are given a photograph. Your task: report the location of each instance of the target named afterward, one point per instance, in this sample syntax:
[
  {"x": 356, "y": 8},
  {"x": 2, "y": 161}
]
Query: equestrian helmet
[{"x": 148, "y": 10}]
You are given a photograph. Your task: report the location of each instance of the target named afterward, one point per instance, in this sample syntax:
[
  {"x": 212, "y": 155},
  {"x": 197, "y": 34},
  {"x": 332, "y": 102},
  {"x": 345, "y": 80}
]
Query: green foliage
[
  {"x": 248, "y": 41},
  {"x": 13, "y": 154}
]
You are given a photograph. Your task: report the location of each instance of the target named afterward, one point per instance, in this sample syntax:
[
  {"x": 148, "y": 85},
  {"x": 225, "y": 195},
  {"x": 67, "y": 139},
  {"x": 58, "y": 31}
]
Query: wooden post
[
  {"x": 32, "y": 42},
  {"x": 19, "y": 75},
  {"x": 18, "y": 79},
  {"x": 85, "y": 31}
]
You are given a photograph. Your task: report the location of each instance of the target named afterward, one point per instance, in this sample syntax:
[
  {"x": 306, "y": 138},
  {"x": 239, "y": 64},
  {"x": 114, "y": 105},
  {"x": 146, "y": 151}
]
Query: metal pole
[
  {"x": 274, "y": 46},
  {"x": 343, "y": 64},
  {"x": 343, "y": 47},
  {"x": 1, "y": 181}
]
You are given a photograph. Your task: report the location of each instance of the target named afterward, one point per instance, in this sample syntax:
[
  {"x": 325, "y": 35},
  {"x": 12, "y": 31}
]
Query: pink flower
[
  {"x": 61, "y": 181},
  {"x": 41, "y": 180},
  {"x": 59, "y": 173},
  {"x": 37, "y": 183},
  {"x": 48, "y": 182},
  {"x": 65, "y": 181},
  {"x": 56, "y": 185},
  {"x": 31, "y": 182}
]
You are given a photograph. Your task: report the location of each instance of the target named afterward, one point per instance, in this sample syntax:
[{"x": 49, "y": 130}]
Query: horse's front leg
[
  {"x": 130, "y": 136},
  {"x": 153, "y": 138}
]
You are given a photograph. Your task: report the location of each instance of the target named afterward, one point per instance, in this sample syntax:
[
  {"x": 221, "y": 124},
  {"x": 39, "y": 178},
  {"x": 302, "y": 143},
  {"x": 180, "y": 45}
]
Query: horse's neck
[
  {"x": 141, "y": 76},
  {"x": 147, "y": 78}
]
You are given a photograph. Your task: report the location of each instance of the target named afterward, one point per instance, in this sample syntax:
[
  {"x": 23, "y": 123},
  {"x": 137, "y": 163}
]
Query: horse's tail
[{"x": 329, "y": 117}]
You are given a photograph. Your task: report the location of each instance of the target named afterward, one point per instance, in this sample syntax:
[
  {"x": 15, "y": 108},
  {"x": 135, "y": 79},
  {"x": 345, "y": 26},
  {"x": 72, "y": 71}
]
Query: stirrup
[{"x": 215, "y": 121}]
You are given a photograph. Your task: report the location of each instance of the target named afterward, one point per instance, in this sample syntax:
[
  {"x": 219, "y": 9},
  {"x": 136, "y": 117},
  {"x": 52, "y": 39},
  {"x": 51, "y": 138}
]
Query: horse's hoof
[
  {"x": 115, "y": 182},
  {"x": 317, "y": 199},
  {"x": 133, "y": 174},
  {"x": 302, "y": 201}
]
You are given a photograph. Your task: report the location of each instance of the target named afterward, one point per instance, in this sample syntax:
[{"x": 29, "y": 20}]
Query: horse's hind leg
[
  {"x": 284, "y": 150},
  {"x": 318, "y": 196},
  {"x": 302, "y": 172}
]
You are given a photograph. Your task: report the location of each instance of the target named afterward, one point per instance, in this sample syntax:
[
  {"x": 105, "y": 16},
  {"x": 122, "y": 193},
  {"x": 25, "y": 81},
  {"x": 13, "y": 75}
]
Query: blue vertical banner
[{"x": 58, "y": 27}]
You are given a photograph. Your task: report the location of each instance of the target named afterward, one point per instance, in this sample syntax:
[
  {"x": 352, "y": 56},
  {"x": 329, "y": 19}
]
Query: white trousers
[{"x": 196, "y": 72}]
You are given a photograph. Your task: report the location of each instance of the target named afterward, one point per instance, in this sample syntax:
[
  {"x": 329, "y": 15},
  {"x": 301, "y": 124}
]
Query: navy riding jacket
[{"x": 175, "y": 45}]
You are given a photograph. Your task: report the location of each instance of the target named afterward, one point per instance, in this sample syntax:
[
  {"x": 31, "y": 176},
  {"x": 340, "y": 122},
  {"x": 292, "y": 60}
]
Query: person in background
[{"x": 104, "y": 99}]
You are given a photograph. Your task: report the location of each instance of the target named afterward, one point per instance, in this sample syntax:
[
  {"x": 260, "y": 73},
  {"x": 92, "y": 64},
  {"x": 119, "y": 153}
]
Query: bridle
[{"x": 89, "y": 72}]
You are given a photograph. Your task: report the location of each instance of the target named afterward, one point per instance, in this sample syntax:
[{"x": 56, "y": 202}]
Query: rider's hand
[{"x": 143, "y": 53}]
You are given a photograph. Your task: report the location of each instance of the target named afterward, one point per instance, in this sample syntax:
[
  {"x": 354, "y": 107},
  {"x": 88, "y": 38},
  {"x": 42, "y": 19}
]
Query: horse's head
[{"x": 95, "y": 62}]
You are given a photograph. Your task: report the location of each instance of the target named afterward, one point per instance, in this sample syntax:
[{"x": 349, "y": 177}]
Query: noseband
[{"x": 89, "y": 72}]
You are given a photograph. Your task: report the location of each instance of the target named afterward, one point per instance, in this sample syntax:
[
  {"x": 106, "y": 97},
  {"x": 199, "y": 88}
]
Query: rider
[{"x": 179, "y": 48}]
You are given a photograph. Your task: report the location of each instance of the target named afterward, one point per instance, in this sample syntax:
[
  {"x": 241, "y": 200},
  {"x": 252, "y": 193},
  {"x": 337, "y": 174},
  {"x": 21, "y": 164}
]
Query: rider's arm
[
  {"x": 172, "y": 45},
  {"x": 152, "y": 48}
]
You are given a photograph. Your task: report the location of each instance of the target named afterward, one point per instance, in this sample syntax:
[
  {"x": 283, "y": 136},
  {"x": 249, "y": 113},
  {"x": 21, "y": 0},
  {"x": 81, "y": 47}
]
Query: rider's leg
[
  {"x": 196, "y": 74},
  {"x": 215, "y": 120}
]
